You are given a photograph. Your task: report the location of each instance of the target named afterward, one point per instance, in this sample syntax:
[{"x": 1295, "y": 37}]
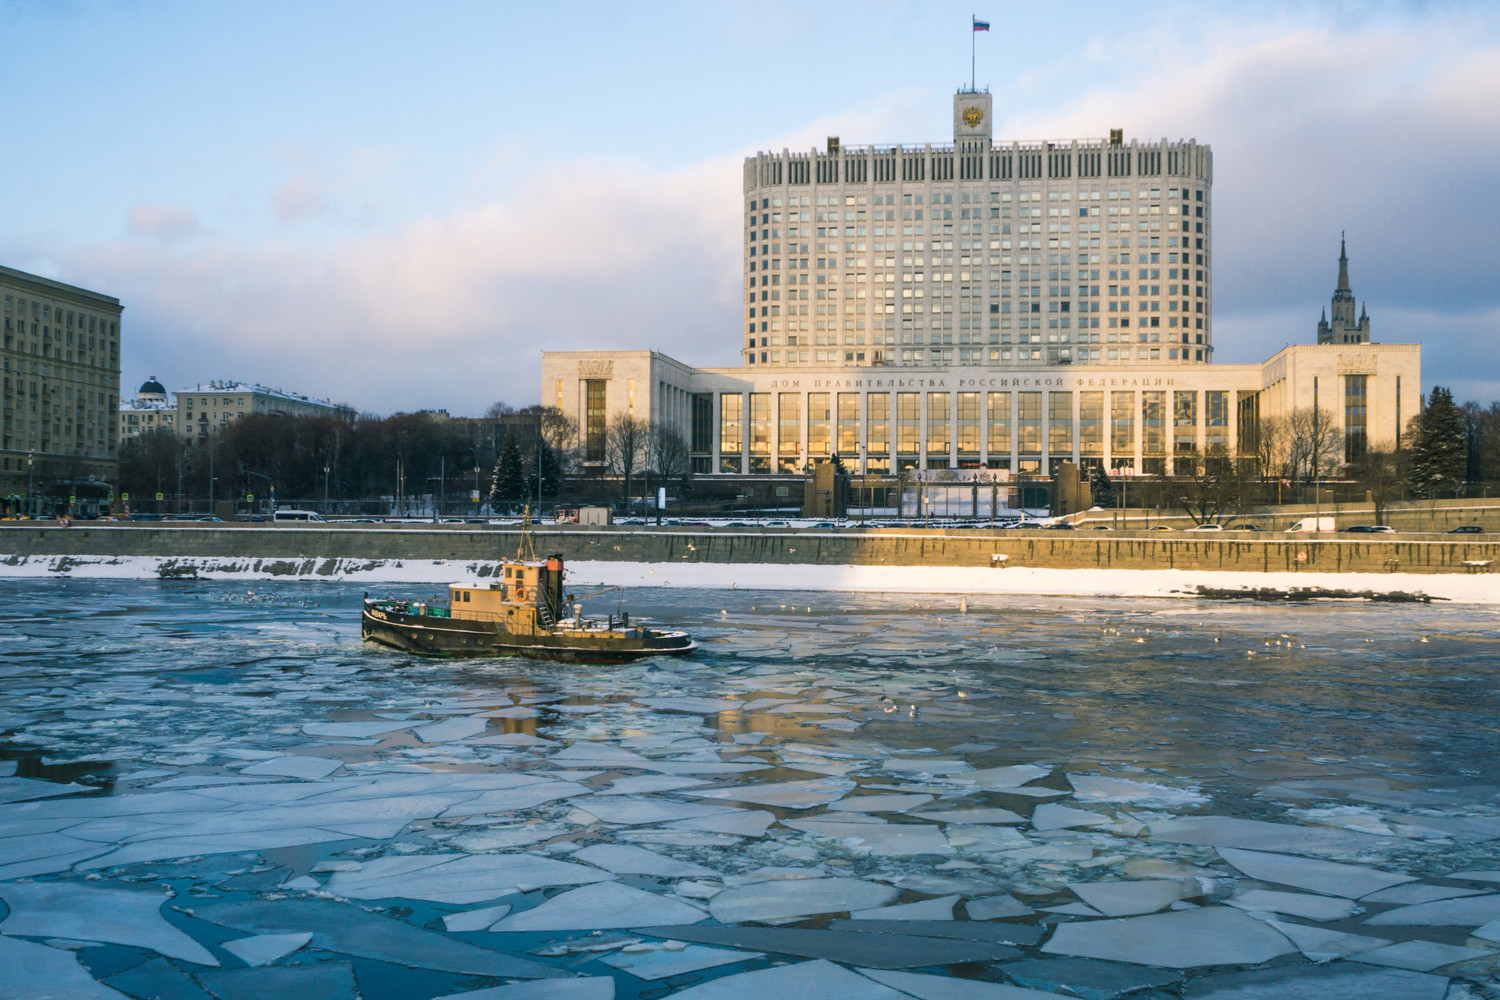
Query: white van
[
  {"x": 287, "y": 514},
  {"x": 1313, "y": 524}
]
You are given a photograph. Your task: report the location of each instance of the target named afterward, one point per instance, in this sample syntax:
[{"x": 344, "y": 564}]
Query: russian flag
[{"x": 981, "y": 25}]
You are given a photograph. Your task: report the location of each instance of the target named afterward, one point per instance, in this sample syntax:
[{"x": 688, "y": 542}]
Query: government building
[
  {"x": 58, "y": 398},
  {"x": 984, "y": 305}
]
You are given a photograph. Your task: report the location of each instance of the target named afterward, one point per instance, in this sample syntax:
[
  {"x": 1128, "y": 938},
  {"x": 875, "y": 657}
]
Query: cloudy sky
[{"x": 400, "y": 205}]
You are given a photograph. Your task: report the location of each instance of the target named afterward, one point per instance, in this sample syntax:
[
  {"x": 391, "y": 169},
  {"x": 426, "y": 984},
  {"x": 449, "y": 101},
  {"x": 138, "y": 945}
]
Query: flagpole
[{"x": 973, "y": 73}]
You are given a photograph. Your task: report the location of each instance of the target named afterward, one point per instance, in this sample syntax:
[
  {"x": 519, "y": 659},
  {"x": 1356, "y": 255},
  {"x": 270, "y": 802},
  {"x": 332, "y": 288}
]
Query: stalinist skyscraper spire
[{"x": 1343, "y": 327}]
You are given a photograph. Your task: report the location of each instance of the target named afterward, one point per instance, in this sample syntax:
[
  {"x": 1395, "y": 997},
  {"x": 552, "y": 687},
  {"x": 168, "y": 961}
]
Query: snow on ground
[{"x": 1468, "y": 588}]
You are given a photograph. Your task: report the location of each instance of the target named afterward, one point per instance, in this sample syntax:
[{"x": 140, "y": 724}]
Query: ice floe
[
  {"x": 32, "y": 971},
  {"x": 1329, "y": 877},
  {"x": 90, "y": 912},
  {"x": 602, "y": 906},
  {"x": 1211, "y": 935},
  {"x": 263, "y": 949},
  {"x": 459, "y": 878},
  {"x": 1126, "y": 899},
  {"x": 349, "y": 930},
  {"x": 663, "y": 964},
  {"x": 802, "y": 897}
]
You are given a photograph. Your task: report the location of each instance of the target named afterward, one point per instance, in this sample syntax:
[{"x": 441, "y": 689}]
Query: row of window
[{"x": 964, "y": 198}]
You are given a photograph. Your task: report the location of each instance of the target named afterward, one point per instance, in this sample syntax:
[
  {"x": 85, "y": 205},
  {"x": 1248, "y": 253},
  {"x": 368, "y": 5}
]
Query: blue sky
[{"x": 400, "y": 205}]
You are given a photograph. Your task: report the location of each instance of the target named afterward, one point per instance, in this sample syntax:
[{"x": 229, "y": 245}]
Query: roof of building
[
  {"x": 151, "y": 387},
  {"x": 229, "y": 387},
  {"x": 58, "y": 286}
]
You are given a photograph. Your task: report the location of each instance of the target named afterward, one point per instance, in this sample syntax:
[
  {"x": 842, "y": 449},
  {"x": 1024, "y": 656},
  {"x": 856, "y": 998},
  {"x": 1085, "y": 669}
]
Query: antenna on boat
[{"x": 525, "y": 550}]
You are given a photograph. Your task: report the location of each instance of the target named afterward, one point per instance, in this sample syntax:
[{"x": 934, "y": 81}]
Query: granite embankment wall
[{"x": 893, "y": 547}]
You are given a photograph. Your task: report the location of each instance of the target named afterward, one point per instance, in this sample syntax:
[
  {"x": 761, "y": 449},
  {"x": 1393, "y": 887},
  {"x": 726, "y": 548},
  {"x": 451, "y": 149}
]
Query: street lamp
[{"x": 30, "y": 506}]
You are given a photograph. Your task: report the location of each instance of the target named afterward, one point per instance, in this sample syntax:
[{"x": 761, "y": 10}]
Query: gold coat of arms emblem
[{"x": 973, "y": 116}]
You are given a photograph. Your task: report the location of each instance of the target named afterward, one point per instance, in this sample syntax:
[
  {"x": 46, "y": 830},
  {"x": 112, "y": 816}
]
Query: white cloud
[
  {"x": 450, "y": 311},
  {"x": 164, "y": 222},
  {"x": 298, "y": 200}
]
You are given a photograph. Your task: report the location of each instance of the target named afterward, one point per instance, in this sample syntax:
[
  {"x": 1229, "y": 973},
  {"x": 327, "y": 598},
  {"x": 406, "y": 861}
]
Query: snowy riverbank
[{"x": 1464, "y": 588}]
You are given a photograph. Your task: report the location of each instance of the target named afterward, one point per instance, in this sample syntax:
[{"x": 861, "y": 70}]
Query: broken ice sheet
[
  {"x": 1342, "y": 981},
  {"x": 816, "y": 980},
  {"x": 926, "y": 987},
  {"x": 996, "y": 907},
  {"x": 95, "y": 913},
  {"x": 583, "y": 988},
  {"x": 930, "y": 765},
  {"x": 1328, "y": 877},
  {"x": 881, "y": 803},
  {"x": 870, "y": 945},
  {"x": 600, "y": 907},
  {"x": 349, "y": 930},
  {"x": 1054, "y": 817},
  {"x": 1470, "y": 911},
  {"x": 1211, "y": 935},
  {"x": 307, "y": 768},
  {"x": 1007, "y": 778},
  {"x": 1421, "y": 956},
  {"x": 1126, "y": 899},
  {"x": 456, "y": 728},
  {"x": 1319, "y": 944},
  {"x": 785, "y": 794},
  {"x": 867, "y": 837},
  {"x": 626, "y": 860},
  {"x": 355, "y": 729},
  {"x": 1092, "y": 788},
  {"x": 474, "y": 920},
  {"x": 629, "y": 810},
  {"x": 800, "y": 897},
  {"x": 972, "y": 816},
  {"x": 1296, "y": 904},
  {"x": 325, "y": 980},
  {"x": 662, "y": 964},
  {"x": 29, "y": 971},
  {"x": 263, "y": 949},
  {"x": 940, "y": 908},
  {"x": 642, "y": 784},
  {"x": 1256, "y": 835},
  {"x": 457, "y": 878}
]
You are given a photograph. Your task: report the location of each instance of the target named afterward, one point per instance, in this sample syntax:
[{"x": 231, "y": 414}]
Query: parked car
[
  {"x": 1205, "y": 527},
  {"x": 1465, "y": 529},
  {"x": 1370, "y": 529},
  {"x": 1102, "y": 527},
  {"x": 1024, "y": 524},
  {"x": 1244, "y": 527},
  {"x": 1060, "y": 526},
  {"x": 1159, "y": 527}
]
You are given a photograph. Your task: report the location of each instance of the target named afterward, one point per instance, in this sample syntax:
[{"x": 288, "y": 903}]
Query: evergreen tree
[
  {"x": 1439, "y": 455},
  {"x": 1101, "y": 488},
  {"x": 551, "y": 474},
  {"x": 509, "y": 483}
]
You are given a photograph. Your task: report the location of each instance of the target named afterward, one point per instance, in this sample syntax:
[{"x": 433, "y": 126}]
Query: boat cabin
[{"x": 527, "y": 597}]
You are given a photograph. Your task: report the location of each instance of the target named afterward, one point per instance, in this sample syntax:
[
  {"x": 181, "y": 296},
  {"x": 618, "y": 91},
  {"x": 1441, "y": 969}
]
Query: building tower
[
  {"x": 979, "y": 252},
  {"x": 1344, "y": 329}
]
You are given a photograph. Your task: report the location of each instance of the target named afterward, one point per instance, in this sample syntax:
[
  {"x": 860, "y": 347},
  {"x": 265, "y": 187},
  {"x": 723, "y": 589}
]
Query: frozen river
[{"x": 214, "y": 790}]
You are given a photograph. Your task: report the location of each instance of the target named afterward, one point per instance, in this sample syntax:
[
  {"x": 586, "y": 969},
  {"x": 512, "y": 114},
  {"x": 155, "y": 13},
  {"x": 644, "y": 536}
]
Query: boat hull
[{"x": 451, "y": 637}]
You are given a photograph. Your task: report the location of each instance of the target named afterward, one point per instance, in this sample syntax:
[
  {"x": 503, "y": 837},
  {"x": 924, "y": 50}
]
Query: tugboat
[{"x": 520, "y": 613}]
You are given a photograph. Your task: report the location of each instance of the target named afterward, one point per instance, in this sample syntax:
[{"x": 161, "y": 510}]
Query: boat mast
[{"x": 525, "y": 550}]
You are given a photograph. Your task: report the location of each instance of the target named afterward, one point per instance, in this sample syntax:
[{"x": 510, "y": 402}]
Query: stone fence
[{"x": 1259, "y": 552}]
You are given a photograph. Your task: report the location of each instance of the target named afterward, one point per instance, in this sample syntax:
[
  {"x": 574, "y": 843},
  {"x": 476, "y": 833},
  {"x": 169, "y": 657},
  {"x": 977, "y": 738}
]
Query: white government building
[{"x": 983, "y": 305}]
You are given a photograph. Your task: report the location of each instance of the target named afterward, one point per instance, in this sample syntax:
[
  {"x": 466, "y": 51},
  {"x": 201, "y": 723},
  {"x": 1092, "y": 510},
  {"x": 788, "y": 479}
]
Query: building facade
[
  {"x": 985, "y": 306},
  {"x": 1132, "y": 420},
  {"x": 60, "y": 366},
  {"x": 204, "y": 410},
  {"x": 150, "y": 410},
  {"x": 978, "y": 253}
]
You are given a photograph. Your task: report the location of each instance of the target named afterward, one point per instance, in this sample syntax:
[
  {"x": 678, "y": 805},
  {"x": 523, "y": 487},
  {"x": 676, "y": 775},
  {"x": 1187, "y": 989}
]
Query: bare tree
[
  {"x": 625, "y": 447},
  {"x": 1315, "y": 444},
  {"x": 1270, "y": 446},
  {"x": 1208, "y": 484},
  {"x": 668, "y": 453},
  {"x": 1382, "y": 473},
  {"x": 498, "y": 409}
]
